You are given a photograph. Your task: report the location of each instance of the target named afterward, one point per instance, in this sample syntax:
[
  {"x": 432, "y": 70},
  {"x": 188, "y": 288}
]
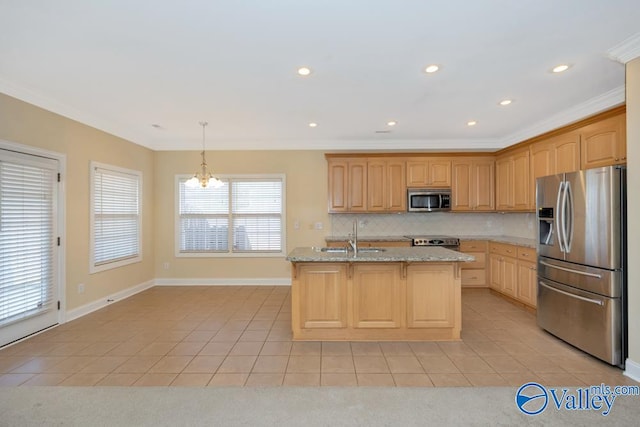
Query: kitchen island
[{"x": 386, "y": 294}]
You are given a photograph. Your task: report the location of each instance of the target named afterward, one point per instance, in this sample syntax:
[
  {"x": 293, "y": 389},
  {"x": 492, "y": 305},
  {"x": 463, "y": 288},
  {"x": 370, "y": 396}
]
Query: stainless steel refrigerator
[{"x": 582, "y": 260}]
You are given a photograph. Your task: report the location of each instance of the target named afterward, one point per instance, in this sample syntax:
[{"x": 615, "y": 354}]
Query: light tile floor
[{"x": 241, "y": 336}]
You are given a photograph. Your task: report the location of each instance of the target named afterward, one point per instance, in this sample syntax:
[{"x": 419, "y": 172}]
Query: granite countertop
[
  {"x": 392, "y": 254},
  {"x": 519, "y": 241}
]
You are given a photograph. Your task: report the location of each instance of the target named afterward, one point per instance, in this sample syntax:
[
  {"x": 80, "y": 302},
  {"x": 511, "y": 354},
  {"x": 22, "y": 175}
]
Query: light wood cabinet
[
  {"x": 513, "y": 189},
  {"x": 376, "y": 301},
  {"x": 473, "y": 185},
  {"x": 435, "y": 173},
  {"x": 376, "y": 296},
  {"x": 504, "y": 184},
  {"x": 552, "y": 156},
  {"x": 347, "y": 185},
  {"x": 513, "y": 272},
  {"x": 604, "y": 143},
  {"x": 521, "y": 179},
  {"x": 567, "y": 152},
  {"x": 386, "y": 186},
  {"x": 474, "y": 274},
  {"x": 430, "y": 302},
  {"x": 527, "y": 282},
  {"x": 323, "y": 296}
]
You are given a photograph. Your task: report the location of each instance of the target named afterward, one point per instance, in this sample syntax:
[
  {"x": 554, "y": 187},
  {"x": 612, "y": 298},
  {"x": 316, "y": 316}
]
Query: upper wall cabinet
[
  {"x": 347, "y": 185},
  {"x": 473, "y": 184},
  {"x": 386, "y": 185},
  {"x": 513, "y": 189},
  {"x": 604, "y": 143},
  {"x": 554, "y": 155},
  {"x": 429, "y": 172}
]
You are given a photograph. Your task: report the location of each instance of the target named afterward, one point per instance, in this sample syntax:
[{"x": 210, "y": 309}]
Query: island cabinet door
[
  {"x": 322, "y": 294},
  {"x": 430, "y": 296},
  {"x": 376, "y": 296}
]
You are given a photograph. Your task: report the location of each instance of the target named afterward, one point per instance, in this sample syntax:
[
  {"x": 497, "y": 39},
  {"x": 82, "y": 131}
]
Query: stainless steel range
[{"x": 447, "y": 242}]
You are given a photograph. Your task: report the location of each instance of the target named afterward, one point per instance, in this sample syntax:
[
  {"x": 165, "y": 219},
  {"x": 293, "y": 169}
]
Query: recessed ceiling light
[
  {"x": 560, "y": 68},
  {"x": 506, "y": 102},
  {"x": 392, "y": 123},
  {"x": 313, "y": 125},
  {"x": 472, "y": 123},
  {"x": 304, "y": 71},
  {"x": 431, "y": 69}
]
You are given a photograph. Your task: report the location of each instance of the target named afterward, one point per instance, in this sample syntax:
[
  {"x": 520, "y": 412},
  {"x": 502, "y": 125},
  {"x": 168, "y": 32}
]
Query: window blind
[
  {"x": 26, "y": 240},
  {"x": 116, "y": 228},
  {"x": 245, "y": 215}
]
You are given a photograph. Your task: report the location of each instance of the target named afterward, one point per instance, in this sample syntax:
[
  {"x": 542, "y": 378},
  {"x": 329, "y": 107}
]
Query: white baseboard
[
  {"x": 632, "y": 370},
  {"x": 103, "y": 302},
  {"x": 281, "y": 281}
]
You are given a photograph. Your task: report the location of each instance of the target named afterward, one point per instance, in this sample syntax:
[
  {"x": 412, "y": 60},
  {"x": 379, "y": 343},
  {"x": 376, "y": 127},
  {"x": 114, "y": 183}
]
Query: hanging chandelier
[{"x": 203, "y": 177}]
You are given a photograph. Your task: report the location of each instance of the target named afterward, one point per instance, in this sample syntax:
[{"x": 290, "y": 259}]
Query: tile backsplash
[{"x": 436, "y": 223}]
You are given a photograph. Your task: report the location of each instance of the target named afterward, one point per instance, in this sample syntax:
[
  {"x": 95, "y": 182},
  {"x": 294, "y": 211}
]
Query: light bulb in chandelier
[{"x": 203, "y": 178}]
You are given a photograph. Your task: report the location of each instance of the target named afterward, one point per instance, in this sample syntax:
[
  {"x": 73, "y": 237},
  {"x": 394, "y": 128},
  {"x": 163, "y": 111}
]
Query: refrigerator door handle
[
  {"x": 570, "y": 270},
  {"x": 585, "y": 299},
  {"x": 568, "y": 216},
  {"x": 559, "y": 216}
]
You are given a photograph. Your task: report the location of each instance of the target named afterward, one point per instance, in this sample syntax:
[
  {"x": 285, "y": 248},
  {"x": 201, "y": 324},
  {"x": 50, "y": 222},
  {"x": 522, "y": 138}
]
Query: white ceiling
[{"x": 123, "y": 65}]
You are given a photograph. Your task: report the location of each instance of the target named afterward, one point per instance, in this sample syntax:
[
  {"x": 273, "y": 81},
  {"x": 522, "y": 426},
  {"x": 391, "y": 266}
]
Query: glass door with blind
[{"x": 28, "y": 240}]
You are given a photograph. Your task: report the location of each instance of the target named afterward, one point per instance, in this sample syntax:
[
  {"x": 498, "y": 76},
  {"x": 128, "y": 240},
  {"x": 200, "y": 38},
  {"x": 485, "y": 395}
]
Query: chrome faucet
[{"x": 353, "y": 238}]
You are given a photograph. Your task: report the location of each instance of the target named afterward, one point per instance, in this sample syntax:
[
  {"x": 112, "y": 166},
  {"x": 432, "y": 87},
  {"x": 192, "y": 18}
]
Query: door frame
[{"x": 61, "y": 214}]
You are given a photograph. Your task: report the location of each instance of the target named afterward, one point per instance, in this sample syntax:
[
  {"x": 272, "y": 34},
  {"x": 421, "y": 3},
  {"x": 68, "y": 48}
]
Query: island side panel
[{"x": 433, "y": 297}]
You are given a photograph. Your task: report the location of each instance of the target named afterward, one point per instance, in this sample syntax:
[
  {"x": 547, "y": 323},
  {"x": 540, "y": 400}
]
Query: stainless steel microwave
[{"x": 428, "y": 199}]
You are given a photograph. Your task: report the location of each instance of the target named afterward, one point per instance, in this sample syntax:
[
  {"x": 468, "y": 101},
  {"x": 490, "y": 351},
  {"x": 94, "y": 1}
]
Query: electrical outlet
[
  {"x": 319, "y": 226},
  {"x": 296, "y": 225},
  {"x": 81, "y": 288},
  {"x": 165, "y": 265}
]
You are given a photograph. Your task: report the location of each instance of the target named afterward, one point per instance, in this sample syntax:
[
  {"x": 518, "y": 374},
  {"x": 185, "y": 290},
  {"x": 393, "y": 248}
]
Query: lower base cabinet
[
  {"x": 527, "y": 283},
  {"x": 376, "y": 301},
  {"x": 376, "y": 296},
  {"x": 323, "y": 296},
  {"x": 513, "y": 272},
  {"x": 474, "y": 274}
]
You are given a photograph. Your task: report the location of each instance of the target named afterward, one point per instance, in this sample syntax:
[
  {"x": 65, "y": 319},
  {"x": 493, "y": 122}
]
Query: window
[
  {"x": 244, "y": 217},
  {"x": 116, "y": 232}
]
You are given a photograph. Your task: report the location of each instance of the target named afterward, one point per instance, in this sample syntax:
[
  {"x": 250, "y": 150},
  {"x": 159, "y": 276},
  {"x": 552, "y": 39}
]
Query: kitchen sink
[
  {"x": 371, "y": 250},
  {"x": 334, "y": 250},
  {"x": 344, "y": 250}
]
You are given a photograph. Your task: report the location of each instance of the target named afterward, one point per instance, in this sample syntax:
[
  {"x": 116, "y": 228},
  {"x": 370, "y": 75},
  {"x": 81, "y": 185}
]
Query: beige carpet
[{"x": 289, "y": 406}]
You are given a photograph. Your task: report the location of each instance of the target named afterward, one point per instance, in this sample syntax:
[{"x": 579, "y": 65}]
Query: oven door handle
[
  {"x": 581, "y": 298},
  {"x": 570, "y": 270}
]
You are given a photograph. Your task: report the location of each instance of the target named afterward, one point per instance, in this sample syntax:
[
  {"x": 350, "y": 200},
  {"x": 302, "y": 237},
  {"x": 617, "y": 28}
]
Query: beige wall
[
  {"x": 26, "y": 124},
  {"x": 306, "y": 181},
  {"x": 633, "y": 206}
]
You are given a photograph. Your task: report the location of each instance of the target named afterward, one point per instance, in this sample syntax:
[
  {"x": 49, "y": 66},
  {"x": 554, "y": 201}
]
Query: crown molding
[
  {"x": 595, "y": 105},
  {"x": 345, "y": 144},
  {"x": 32, "y": 97},
  {"x": 627, "y": 50}
]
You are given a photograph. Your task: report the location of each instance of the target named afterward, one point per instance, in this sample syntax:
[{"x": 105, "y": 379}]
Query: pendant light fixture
[{"x": 203, "y": 177}]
